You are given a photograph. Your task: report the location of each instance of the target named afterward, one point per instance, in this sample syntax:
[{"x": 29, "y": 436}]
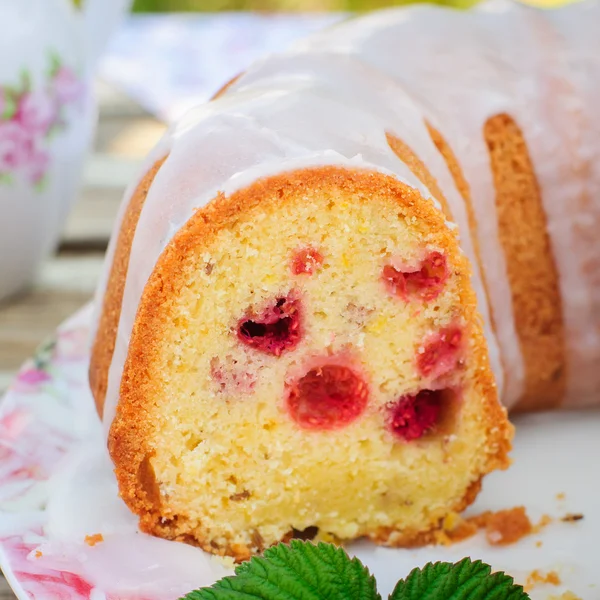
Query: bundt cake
[{"x": 328, "y": 277}]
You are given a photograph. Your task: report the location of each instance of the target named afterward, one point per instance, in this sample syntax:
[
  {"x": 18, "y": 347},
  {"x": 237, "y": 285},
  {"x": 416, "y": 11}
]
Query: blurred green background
[
  {"x": 308, "y": 5},
  {"x": 271, "y": 5},
  {"x": 142, "y": 6}
]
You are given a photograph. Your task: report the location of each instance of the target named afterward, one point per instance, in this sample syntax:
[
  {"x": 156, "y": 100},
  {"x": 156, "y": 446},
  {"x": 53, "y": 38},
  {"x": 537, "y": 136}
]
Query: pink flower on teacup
[
  {"x": 16, "y": 146},
  {"x": 36, "y": 112},
  {"x": 67, "y": 87},
  {"x": 37, "y": 165}
]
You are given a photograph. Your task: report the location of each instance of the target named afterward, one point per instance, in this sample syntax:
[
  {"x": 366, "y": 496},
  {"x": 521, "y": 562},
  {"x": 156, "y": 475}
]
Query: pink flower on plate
[
  {"x": 36, "y": 111},
  {"x": 55, "y": 584},
  {"x": 12, "y": 424},
  {"x": 38, "y": 581},
  {"x": 72, "y": 344},
  {"x": 16, "y": 146},
  {"x": 66, "y": 85},
  {"x": 33, "y": 377}
]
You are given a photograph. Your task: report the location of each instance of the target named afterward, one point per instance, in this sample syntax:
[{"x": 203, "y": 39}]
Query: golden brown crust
[
  {"x": 223, "y": 89},
  {"x": 530, "y": 264},
  {"x": 416, "y": 539},
  {"x": 104, "y": 342},
  {"x": 459, "y": 180},
  {"x": 418, "y": 168},
  {"x": 132, "y": 426}
]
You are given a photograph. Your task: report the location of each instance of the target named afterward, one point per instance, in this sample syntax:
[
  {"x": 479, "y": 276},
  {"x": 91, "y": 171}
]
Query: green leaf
[
  {"x": 55, "y": 64},
  {"x": 41, "y": 185},
  {"x": 300, "y": 571},
  {"x": 464, "y": 580},
  {"x": 10, "y": 107},
  {"x": 44, "y": 353},
  {"x": 6, "y": 179},
  {"x": 25, "y": 78}
]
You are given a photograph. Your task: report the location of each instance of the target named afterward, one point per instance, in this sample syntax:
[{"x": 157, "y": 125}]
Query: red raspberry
[
  {"x": 276, "y": 330},
  {"x": 307, "y": 260},
  {"x": 441, "y": 353},
  {"x": 327, "y": 397},
  {"x": 411, "y": 417},
  {"x": 424, "y": 283}
]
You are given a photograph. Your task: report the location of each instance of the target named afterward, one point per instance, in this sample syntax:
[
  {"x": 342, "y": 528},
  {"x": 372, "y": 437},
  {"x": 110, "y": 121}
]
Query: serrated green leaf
[
  {"x": 464, "y": 580},
  {"x": 299, "y": 571}
]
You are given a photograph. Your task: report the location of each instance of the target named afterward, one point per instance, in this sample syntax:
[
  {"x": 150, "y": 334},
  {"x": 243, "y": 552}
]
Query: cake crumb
[
  {"x": 328, "y": 538},
  {"x": 501, "y": 528},
  {"x": 561, "y": 496},
  {"x": 507, "y": 526},
  {"x": 38, "y": 554},
  {"x": 241, "y": 552},
  {"x": 543, "y": 522},
  {"x": 227, "y": 561},
  {"x": 455, "y": 529},
  {"x": 536, "y": 577},
  {"x": 92, "y": 540},
  {"x": 565, "y": 596},
  {"x": 538, "y": 544},
  {"x": 572, "y": 517}
]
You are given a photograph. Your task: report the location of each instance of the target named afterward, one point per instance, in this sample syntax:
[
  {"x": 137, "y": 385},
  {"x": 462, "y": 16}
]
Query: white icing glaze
[
  {"x": 387, "y": 72},
  {"x": 572, "y": 195},
  {"x": 160, "y": 150}
]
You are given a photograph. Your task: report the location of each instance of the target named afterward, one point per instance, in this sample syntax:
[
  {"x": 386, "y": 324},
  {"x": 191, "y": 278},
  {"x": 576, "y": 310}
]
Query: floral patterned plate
[{"x": 65, "y": 535}]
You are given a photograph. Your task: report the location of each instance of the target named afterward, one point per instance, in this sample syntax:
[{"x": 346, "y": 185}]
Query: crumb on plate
[
  {"x": 227, "y": 561},
  {"x": 92, "y": 540},
  {"x": 501, "y": 528},
  {"x": 536, "y": 577},
  {"x": 543, "y": 522},
  {"x": 572, "y": 517},
  {"x": 565, "y": 596},
  {"x": 507, "y": 526}
]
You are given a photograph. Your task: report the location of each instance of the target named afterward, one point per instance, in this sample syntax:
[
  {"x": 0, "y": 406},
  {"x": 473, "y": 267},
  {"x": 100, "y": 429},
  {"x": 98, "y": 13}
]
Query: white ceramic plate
[{"x": 57, "y": 487}]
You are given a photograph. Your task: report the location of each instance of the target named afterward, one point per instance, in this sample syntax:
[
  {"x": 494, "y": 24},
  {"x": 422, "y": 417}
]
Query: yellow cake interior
[{"x": 230, "y": 462}]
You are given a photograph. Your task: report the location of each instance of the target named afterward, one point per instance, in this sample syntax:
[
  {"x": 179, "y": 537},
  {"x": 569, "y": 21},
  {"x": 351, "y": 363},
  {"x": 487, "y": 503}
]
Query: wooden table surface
[{"x": 67, "y": 281}]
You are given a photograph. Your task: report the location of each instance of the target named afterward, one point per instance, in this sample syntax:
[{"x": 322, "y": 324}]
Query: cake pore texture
[{"x": 225, "y": 465}]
